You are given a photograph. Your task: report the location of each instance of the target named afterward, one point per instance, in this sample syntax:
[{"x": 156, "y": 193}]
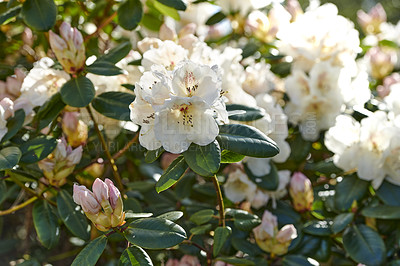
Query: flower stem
[
  {"x": 220, "y": 201},
  {"x": 108, "y": 154},
  {"x": 19, "y": 206}
]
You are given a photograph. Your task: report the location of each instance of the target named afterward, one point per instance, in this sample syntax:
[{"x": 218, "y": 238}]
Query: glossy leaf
[
  {"x": 389, "y": 193},
  {"x": 382, "y": 212},
  {"x": 176, "y": 4},
  {"x": 295, "y": 260},
  {"x": 341, "y": 222},
  {"x": 166, "y": 10},
  {"x": 10, "y": 13},
  {"x": 269, "y": 181},
  {"x": 318, "y": 228},
  {"x": 351, "y": 188},
  {"x": 14, "y": 124},
  {"x": 130, "y": 14},
  {"x": 78, "y": 92},
  {"x": 37, "y": 149},
  {"x": 104, "y": 68},
  {"x": 221, "y": 234},
  {"x": 117, "y": 53},
  {"x": 114, "y": 104},
  {"x": 214, "y": 19},
  {"x": 172, "y": 215},
  {"x": 39, "y": 14},
  {"x": 364, "y": 245},
  {"x": 200, "y": 230},
  {"x": 172, "y": 174},
  {"x": 230, "y": 157},
  {"x": 203, "y": 160},
  {"x": 246, "y": 140},
  {"x": 46, "y": 224},
  {"x": 240, "y": 112},
  {"x": 73, "y": 219},
  {"x": 153, "y": 155},
  {"x": 50, "y": 110},
  {"x": 243, "y": 220},
  {"x": 134, "y": 256},
  {"x": 90, "y": 254},
  {"x": 202, "y": 217},
  {"x": 154, "y": 233},
  {"x": 9, "y": 157}
]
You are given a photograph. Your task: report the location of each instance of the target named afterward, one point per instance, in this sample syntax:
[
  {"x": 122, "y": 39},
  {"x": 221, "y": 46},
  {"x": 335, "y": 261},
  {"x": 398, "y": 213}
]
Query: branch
[{"x": 20, "y": 206}]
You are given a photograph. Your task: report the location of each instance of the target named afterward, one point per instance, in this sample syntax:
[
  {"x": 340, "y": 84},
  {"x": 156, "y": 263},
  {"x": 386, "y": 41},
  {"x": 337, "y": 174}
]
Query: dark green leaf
[
  {"x": 154, "y": 233},
  {"x": 37, "y": 149},
  {"x": 243, "y": 220},
  {"x": 200, "y": 230},
  {"x": 153, "y": 155},
  {"x": 9, "y": 157},
  {"x": 318, "y": 228},
  {"x": 130, "y": 14},
  {"x": 172, "y": 216},
  {"x": 295, "y": 260},
  {"x": 341, "y": 221},
  {"x": 203, "y": 160},
  {"x": 351, "y": 188},
  {"x": 10, "y": 13},
  {"x": 269, "y": 181},
  {"x": 240, "y": 112},
  {"x": 73, "y": 219},
  {"x": 177, "y": 4},
  {"x": 78, "y": 92},
  {"x": 230, "y": 157},
  {"x": 49, "y": 110},
  {"x": 300, "y": 148},
  {"x": 136, "y": 215},
  {"x": 91, "y": 253},
  {"x": 39, "y": 14},
  {"x": 221, "y": 234},
  {"x": 117, "y": 54},
  {"x": 241, "y": 244},
  {"x": 151, "y": 22},
  {"x": 389, "y": 193},
  {"x": 114, "y": 104},
  {"x": 134, "y": 256},
  {"x": 382, "y": 212},
  {"x": 172, "y": 174},
  {"x": 46, "y": 224},
  {"x": 214, "y": 19},
  {"x": 236, "y": 261},
  {"x": 246, "y": 140},
  {"x": 166, "y": 10},
  {"x": 364, "y": 245},
  {"x": 202, "y": 216},
  {"x": 14, "y": 124},
  {"x": 104, "y": 68}
]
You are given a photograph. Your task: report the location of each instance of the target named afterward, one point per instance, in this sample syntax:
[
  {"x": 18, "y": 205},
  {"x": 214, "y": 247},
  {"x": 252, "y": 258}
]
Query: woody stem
[{"x": 220, "y": 201}]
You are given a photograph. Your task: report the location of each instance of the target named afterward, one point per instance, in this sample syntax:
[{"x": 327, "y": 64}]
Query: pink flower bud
[
  {"x": 113, "y": 193},
  {"x": 8, "y": 107},
  {"x": 301, "y": 192},
  {"x": 287, "y": 233},
  {"x": 294, "y": 8},
  {"x": 299, "y": 182},
  {"x": 70, "y": 120},
  {"x": 66, "y": 31},
  {"x": 384, "y": 90},
  {"x": 187, "y": 41},
  {"x": 77, "y": 38},
  {"x": 188, "y": 29},
  {"x": 84, "y": 197},
  {"x": 167, "y": 32},
  {"x": 100, "y": 190},
  {"x": 57, "y": 43},
  {"x": 381, "y": 61},
  {"x": 267, "y": 228},
  {"x": 370, "y": 23}
]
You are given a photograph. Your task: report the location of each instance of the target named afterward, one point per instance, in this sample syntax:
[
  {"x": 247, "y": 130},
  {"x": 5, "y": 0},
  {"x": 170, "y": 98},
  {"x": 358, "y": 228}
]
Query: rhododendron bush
[{"x": 180, "y": 132}]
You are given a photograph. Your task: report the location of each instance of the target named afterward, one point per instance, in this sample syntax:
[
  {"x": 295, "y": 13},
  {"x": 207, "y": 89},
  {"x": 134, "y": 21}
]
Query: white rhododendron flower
[
  {"x": 178, "y": 108},
  {"x": 6, "y": 111},
  {"x": 244, "y": 7},
  {"x": 167, "y": 54},
  {"x": 238, "y": 186},
  {"x": 370, "y": 147}
]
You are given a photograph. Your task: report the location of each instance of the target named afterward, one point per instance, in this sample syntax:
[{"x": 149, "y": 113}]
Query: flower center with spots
[
  {"x": 190, "y": 83},
  {"x": 185, "y": 117}
]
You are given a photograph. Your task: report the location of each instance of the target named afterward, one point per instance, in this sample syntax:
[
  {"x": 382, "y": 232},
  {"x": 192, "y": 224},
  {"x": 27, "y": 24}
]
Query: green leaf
[
  {"x": 318, "y": 228},
  {"x": 134, "y": 256},
  {"x": 153, "y": 155},
  {"x": 221, "y": 234},
  {"x": 203, "y": 160},
  {"x": 382, "y": 212},
  {"x": 230, "y": 157},
  {"x": 91, "y": 253},
  {"x": 300, "y": 148},
  {"x": 78, "y": 92},
  {"x": 202, "y": 217},
  {"x": 241, "y": 244},
  {"x": 177, "y": 4},
  {"x": 154, "y": 233},
  {"x": 243, "y": 220},
  {"x": 245, "y": 113},
  {"x": 39, "y": 14},
  {"x": 117, "y": 53},
  {"x": 73, "y": 219},
  {"x": 14, "y": 124},
  {"x": 246, "y": 140},
  {"x": 214, "y": 19},
  {"x": 172, "y": 215},
  {"x": 236, "y": 261},
  {"x": 172, "y": 174},
  {"x": 341, "y": 221},
  {"x": 46, "y": 224},
  {"x": 104, "y": 68},
  {"x": 37, "y": 149},
  {"x": 166, "y": 10},
  {"x": 389, "y": 193},
  {"x": 130, "y": 14},
  {"x": 295, "y": 260},
  {"x": 269, "y": 181},
  {"x": 49, "y": 110},
  {"x": 151, "y": 22},
  {"x": 9, "y": 157},
  {"x": 364, "y": 245},
  {"x": 10, "y": 13},
  {"x": 136, "y": 215},
  {"x": 114, "y": 104},
  {"x": 351, "y": 188},
  {"x": 201, "y": 230}
]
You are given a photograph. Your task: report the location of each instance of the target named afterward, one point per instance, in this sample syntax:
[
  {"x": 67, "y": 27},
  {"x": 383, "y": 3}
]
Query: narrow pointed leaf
[
  {"x": 104, "y": 68},
  {"x": 172, "y": 174}
]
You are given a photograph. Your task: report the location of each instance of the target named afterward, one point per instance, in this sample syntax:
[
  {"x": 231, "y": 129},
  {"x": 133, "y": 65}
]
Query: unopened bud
[
  {"x": 294, "y": 8},
  {"x": 167, "y": 32},
  {"x": 8, "y": 108},
  {"x": 384, "y": 89},
  {"x": 86, "y": 199},
  {"x": 381, "y": 61},
  {"x": 301, "y": 192},
  {"x": 371, "y": 22},
  {"x": 76, "y": 130},
  {"x": 188, "y": 29}
]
